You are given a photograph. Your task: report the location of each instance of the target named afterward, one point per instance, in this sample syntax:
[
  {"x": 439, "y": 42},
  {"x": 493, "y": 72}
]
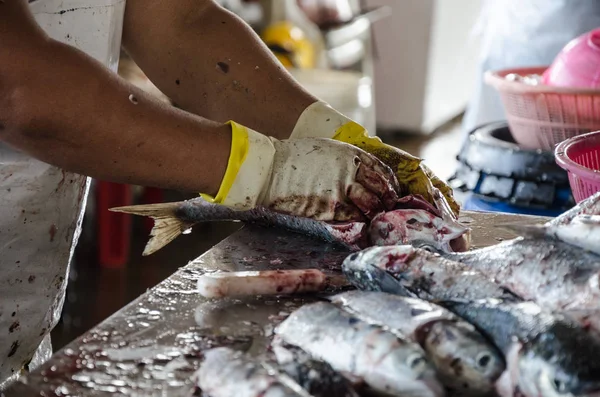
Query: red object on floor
[{"x": 114, "y": 229}]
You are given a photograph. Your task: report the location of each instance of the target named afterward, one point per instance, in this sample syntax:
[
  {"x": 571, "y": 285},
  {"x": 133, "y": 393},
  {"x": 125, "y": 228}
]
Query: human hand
[
  {"x": 414, "y": 177},
  {"x": 316, "y": 178}
]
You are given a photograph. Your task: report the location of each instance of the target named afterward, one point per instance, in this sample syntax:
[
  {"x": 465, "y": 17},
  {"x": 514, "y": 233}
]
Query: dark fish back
[{"x": 351, "y": 235}]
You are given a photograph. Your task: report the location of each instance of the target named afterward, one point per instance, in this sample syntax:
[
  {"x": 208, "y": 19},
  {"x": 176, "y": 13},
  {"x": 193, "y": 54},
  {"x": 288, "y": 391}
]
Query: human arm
[
  {"x": 60, "y": 106},
  {"x": 220, "y": 69},
  {"x": 211, "y": 63}
]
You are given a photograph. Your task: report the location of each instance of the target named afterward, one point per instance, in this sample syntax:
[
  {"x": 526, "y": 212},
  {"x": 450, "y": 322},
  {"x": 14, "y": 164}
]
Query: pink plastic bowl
[
  {"x": 580, "y": 157},
  {"x": 578, "y": 64},
  {"x": 541, "y": 116}
]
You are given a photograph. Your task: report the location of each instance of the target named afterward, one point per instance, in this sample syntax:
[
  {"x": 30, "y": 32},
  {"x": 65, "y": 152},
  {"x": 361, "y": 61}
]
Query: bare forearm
[
  {"x": 72, "y": 112},
  {"x": 211, "y": 63}
]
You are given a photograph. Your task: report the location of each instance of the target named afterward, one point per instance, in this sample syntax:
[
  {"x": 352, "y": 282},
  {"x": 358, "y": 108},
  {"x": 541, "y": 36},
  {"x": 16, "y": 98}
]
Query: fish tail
[{"x": 167, "y": 226}]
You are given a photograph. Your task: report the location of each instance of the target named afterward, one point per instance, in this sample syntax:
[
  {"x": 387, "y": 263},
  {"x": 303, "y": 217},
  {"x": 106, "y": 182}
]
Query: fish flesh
[
  {"x": 316, "y": 377},
  {"x": 229, "y": 373},
  {"x": 403, "y": 226},
  {"x": 546, "y": 354},
  {"x": 267, "y": 282},
  {"x": 174, "y": 219},
  {"x": 384, "y": 362},
  {"x": 554, "y": 274},
  {"x": 582, "y": 231},
  {"x": 410, "y": 271},
  {"x": 466, "y": 362}
]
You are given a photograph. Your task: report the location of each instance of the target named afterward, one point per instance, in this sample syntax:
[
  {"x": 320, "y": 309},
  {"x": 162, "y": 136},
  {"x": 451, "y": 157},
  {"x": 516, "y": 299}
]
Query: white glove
[{"x": 315, "y": 177}]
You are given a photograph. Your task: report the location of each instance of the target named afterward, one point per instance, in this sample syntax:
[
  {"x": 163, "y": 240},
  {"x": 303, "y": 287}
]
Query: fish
[
  {"x": 466, "y": 361},
  {"x": 315, "y": 376},
  {"x": 174, "y": 219},
  {"x": 226, "y": 372},
  {"x": 582, "y": 231},
  {"x": 361, "y": 351},
  {"x": 410, "y": 271},
  {"x": 403, "y": 226},
  {"x": 589, "y": 206},
  {"x": 546, "y": 354},
  {"x": 267, "y": 282},
  {"x": 554, "y": 274}
]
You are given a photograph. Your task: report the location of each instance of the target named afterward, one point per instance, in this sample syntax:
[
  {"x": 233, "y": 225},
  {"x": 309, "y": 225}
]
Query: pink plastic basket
[
  {"x": 580, "y": 157},
  {"x": 541, "y": 116}
]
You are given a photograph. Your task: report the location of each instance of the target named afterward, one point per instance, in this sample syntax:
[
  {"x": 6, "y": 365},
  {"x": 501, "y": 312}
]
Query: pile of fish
[{"x": 424, "y": 317}]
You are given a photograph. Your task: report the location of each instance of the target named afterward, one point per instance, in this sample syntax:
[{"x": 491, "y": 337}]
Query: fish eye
[
  {"x": 353, "y": 257},
  {"x": 484, "y": 359},
  {"x": 417, "y": 362},
  {"x": 559, "y": 385}
]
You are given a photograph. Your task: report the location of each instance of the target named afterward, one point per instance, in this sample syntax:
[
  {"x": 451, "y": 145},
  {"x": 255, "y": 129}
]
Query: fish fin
[
  {"x": 531, "y": 231},
  {"x": 167, "y": 227},
  {"x": 390, "y": 284}
]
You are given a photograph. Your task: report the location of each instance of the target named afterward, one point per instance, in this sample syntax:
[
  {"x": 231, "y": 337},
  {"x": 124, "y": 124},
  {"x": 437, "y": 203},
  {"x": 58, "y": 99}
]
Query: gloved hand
[
  {"x": 321, "y": 120},
  {"x": 315, "y": 177}
]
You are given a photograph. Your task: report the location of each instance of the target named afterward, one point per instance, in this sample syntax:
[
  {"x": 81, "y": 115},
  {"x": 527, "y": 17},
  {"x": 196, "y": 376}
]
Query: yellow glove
[
  {"x": 287, "y": 176},
  {"x": 321, "y": 120}
]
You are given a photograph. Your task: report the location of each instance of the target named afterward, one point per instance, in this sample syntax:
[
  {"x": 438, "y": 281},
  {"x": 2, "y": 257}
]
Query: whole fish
[
  {"x": 410, "y": 271},
  {"x": 556, "y": 275},
  {"x": 384, "y": 362},
  {"x": 546, "y": 354},
  {"x": 317, "y": 377},
  {"x": 466, "y": 361},
  {"x": 229, "y": 373},
  {"x": 174, "y": 219},
  {"x": 582, "y": 231}
]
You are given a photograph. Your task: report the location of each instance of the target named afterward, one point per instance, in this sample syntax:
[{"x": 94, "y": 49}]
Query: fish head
[
  {"x": 465, "y": 360},
  {"x": 539, "y": 376},
  {"x": 407, "y": 225},
  {"x": 413, "y": 374},
  {"x": 379, "y": 268}
]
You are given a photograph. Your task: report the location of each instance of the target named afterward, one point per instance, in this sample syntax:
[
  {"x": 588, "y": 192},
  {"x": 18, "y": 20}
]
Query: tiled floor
[{"x": 95, "y": 293}]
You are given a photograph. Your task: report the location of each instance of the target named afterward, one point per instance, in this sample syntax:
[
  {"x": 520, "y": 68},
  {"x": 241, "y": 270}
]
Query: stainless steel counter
[{"x": 152, "y": 346}]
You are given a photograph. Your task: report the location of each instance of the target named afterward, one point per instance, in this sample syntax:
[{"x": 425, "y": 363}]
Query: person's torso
[{"x": 41, "y": 206}]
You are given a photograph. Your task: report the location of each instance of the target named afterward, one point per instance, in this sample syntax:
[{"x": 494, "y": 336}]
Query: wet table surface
[{"x": 153, "y": 346}]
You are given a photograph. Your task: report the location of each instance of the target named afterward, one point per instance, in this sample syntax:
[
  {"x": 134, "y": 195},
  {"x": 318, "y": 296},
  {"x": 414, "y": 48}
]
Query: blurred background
[{"x": 406, "y": 70}]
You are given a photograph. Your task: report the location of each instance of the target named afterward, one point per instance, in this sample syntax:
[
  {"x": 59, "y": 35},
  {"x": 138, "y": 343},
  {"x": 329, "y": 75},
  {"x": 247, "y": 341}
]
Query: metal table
[{"x": 152, "y": 346}]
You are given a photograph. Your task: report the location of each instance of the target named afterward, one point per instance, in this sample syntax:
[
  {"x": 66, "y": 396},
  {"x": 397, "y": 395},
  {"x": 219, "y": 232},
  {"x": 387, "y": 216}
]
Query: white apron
[{"x": 42, "y": 207}]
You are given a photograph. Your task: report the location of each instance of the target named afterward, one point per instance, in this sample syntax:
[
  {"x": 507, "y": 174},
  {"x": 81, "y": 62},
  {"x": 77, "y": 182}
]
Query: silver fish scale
[
  {"x": 444, "y": 279},
  {"x": 554, "y": 274}
]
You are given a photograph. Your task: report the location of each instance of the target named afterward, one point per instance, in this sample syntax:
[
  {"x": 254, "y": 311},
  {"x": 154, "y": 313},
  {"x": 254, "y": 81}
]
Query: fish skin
[
  {"x": 386, "y": 363},
  {"x": 455, "y": 347},
  {"x": 546, "y": 349},
  {"x": 552, "y": 273},
  {"x": 173, "y": 219},
  {"x": 589, "y": 206},
  {"x": 317, "y": 377},
  {"x": 582, "y": 231},
  {"x": 409, "y": 271},
  {"x": 229, "y": 373}
]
